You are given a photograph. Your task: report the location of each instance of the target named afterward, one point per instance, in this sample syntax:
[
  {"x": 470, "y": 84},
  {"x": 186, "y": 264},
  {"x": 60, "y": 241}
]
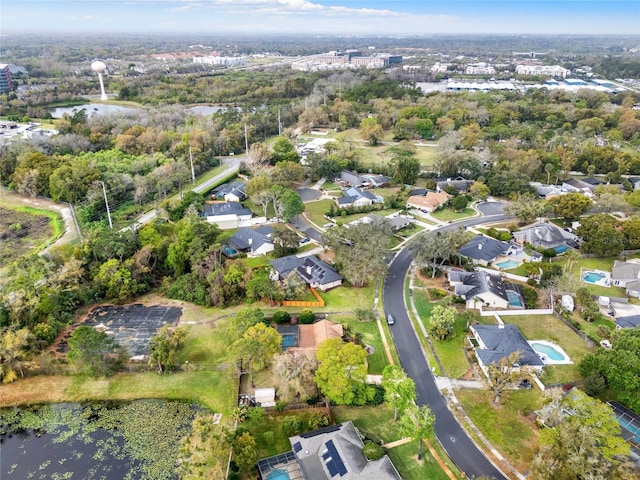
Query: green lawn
[
  {"x": 371, "y": 336},
  {"x": 343, "y": 299},
  {"x": 508, "y": 428},
  {"x": 604, "y": 264},
  {"x": 448, "y": 215},
  {"x": 548, "y": 327},
  {"x": 316, "y": 210},
  {"x": 450, "y": 351}
]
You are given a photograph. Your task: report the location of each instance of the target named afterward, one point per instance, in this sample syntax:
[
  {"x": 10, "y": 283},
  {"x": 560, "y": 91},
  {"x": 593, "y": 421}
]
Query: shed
[{"x": 266, "y": 397}]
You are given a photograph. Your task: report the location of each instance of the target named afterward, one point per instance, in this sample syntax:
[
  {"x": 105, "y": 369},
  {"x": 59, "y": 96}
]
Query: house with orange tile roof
[{"x": 429, "y": 202}]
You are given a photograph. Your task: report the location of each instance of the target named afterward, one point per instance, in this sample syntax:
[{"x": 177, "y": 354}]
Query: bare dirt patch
[{"x": 21, "y": 232}]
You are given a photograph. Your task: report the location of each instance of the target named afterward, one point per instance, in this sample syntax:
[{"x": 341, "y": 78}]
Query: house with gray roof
[
  {"x": 354, "y": 197},
  {"x": 329, "y": 453},
  {"x": 351, "y": 178},
  {"x": 481, "y": 289},
  {"x": 630, "y": 321},
  {"x": 546, "y": 235},
  {"x": 226, "y": 215},
  {"x": 496, "y": 342},
  {"x": 253, "y": 241},
  {"x": 311, "y": 270},
  {"x": 370, "y": 180},
  {"x": 625, "y": 273},
  {"x": 483, "y": 250},
  {"x": 461, "y": 184},
  {"x": 231, "y": 192}
]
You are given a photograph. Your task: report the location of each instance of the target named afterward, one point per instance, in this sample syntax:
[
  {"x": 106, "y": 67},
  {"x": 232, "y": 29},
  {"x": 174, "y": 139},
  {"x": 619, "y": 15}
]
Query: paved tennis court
[{"x": 133, "y": 325}]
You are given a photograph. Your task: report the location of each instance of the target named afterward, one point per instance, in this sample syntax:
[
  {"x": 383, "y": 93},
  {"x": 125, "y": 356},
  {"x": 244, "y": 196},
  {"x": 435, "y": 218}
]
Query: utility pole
[
  {"x": 246, "y": 139},
  {"x": 279, "y": 124},
  {"x": 193, "y": 172},
  {"x": 106, "y": 202}
]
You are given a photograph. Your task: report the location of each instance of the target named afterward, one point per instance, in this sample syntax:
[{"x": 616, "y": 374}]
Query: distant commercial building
[
  {"x": 439, "y": 67},
  {"x": 222, "y": 61},
  {"x": 481, "y": 68},
  {"x": 550, "y": 70},
  {"x": 6, "y": 83},
  {"x": 344, "y": 60}
]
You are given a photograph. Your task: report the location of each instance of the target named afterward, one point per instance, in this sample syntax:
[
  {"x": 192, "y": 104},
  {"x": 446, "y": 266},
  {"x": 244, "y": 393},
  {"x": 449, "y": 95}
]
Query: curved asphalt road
[{"x": 460, "y": 448}]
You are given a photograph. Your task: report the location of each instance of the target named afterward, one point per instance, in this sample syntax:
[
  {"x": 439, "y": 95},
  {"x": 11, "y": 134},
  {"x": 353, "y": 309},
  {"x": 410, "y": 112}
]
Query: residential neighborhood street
[{"x": 458, "y": 445}]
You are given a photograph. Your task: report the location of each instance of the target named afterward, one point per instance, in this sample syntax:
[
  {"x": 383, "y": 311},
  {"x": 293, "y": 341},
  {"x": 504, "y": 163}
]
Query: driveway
[
  {"x": 306, "y": 229},
  {"x": 491, "y": 208},
  {"x": 308, "y": 194},
  {"x": 455, "y": 441}
]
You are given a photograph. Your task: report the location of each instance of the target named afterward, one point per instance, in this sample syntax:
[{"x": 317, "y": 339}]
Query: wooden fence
[{"x": 301, "y": 303}]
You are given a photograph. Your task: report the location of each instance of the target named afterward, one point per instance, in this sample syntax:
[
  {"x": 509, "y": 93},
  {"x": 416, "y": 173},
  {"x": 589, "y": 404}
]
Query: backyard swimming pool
[
  {"x": 278, "y": 475},
  {"x": 593, "y": 277},
  {"x": 506, "y": 264},
  {"x": 561, "y": 248},
  {"x": 550, "y": 353},
  {"x": 514, "y": 299},
  {"x": 596, "y": 277}
]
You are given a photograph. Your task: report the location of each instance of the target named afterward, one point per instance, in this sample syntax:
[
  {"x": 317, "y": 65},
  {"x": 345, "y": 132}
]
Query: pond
[
  {"x": 134, "y": 440},
  {"x": 92, "y": 109}
]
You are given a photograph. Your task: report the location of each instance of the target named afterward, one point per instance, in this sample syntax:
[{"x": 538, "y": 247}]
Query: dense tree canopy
[{"x": 342, "y": 372}]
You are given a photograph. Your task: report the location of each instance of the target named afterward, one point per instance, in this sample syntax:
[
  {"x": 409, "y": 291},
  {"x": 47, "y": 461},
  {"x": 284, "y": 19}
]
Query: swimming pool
[
  {"x": 514, "y": 299},
  {"x": 593, "y": 277},
  {"x": 506, "y": 264},
  {"x": 229, "y": 251},
  {"x": 550, "y": 353},
  {"x": 561, "y": 248},
  {"x": 278, "y": 474}
]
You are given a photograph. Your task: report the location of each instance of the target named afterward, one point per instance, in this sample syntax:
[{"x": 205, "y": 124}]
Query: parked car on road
[{"x": 390, "y": 320}]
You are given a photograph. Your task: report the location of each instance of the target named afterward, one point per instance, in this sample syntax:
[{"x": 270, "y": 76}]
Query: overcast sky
[{"x": 322, "y": 16}]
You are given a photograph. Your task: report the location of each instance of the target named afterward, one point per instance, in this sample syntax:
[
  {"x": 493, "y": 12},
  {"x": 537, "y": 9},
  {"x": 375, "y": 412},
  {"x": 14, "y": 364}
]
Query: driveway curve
[{"x": 454, "y": 439}]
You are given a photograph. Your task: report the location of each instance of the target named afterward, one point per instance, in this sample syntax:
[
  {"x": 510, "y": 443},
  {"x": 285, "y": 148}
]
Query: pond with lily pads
[{"x": 133, "y": 440}]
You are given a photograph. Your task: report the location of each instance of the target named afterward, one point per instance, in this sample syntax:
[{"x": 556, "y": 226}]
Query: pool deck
[
  {"x": 548, "y": 361},
  {"x": 604, "y": 282}
]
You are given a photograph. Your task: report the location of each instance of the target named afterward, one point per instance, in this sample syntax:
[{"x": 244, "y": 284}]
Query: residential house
[
  {"x": 227, "y": 215},
  {"x": 547, "y": 235},
  {"x": 325, "y": 454},
  {"x": 548, "y": 191},
  {"x": 375, "y": 180},
  {"x": 635, "y": 182},
  {"x": 496, "y": 342},
  {"x": 625, "y": 314},
  {"x": 307, "y": 338},
  {"x": 313, "y": 271},
  {"x": 625, "y": 275},
  {"x": 253, "y": 242},
  {"x": 354, "y": 197},
  {"x": 232, "y": 192},
  {"x": 577, "y": 185},
  {"x": 397, "y": 222},
  {"x": 428, "y": 203},
  {"x": 364, "y": 180},
  {"x": 481, "y": 289},
  {"x": 461, "y": 184},
  {"x": 484, "y": 250},
  {"x": 351, "y": 178}
]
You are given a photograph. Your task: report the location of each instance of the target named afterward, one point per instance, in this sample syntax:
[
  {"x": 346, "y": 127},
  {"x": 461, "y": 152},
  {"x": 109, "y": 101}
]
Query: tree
[
  {"x": 95, "y": 353},
  {"x": 242, "y": 320},
  {"x": 459, "y": 203},
  {"x": 503, "y": 374},
  {"x": 399, "y": 389},
  {"x": 436, "y": 248},
  {"x": 601, "y": 235},
  {"x": 289, "y": 205},
  {"x": 257, "y": 157},
  {"x": 256, "y": 347},
  {"x": 619, "y": 366},
  {"x": 360, "y": 250},
  {"x": 406, "y": 169},
  {"x": 570, "y": 206},
  {"x": 526, "y": 207},
  {"x": 479, "y": 191},
  {"x": 417, "y": 424},
  {"x": 287, "y": 173},
  {"x": 164, "y": 348},
  {"x": 371, "y": 130},
  {"x": 245, "y": 451},
  {"x": 13, "y": 351},
  {"x": 262, "y": 286},
  {"x": 342, "y": 372},
  {"x": 297, "y": 371},
  {"x": 582, "y": 442},
  {"x": 283, "y": 151},
  {"x": 442, "y": 322},
  {"x": 257, "y": 185},
  {"x": 285, "y": 241}
]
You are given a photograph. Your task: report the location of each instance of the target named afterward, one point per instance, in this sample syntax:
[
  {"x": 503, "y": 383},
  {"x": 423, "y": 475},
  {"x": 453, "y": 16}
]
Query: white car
[{"x": 390, "y": 320}]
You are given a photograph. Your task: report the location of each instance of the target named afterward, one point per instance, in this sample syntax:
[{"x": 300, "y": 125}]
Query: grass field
[
  {"x": 509, "y": 428},
  {"x": 448, "y": 215}
]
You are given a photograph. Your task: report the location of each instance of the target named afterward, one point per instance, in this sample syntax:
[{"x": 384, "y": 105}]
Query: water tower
[{"x": 99, "y": 68}]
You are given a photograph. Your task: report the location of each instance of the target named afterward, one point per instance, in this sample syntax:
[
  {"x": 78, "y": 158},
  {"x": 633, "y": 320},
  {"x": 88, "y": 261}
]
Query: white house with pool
[{"x": 492, "y": 343}]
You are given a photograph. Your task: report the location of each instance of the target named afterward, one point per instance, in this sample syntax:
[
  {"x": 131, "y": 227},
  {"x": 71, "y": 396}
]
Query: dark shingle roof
[
  {"x": 477, "y": 283},
  {"x": 227, "y": 208},
  {"x": 311, "y": 269},
  {"x": 484, "y": 248},
  {"x": 631, "y": 321},
  {"x": 247, "y": 238},
  {"x": 501, "y": 341}
]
